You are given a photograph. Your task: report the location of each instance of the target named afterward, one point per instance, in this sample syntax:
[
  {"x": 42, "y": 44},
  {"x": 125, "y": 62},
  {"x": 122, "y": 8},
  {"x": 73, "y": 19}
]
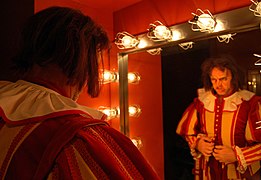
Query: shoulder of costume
[{"x": 22, "y": 102}]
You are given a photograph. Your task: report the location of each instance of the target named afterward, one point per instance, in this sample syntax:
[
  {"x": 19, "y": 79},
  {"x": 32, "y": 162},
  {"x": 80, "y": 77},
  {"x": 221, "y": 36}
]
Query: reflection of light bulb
[
  {"x": 110, "y": 112},
  {"x": 176, "y": 35},
  {"x": 155, "y": 51},
  {"x": 219, "y": 26},
  {"x": 134, "y": 111},
  {"x": 186, "y": 45},
  {"x": 113, "y": 112},
  {"x": 225, "y": 38},
  {"x": 133, "y": 77},
  {"x": 137, "y": 142},
  {"x": 142, "y": 43},
  {"x": 110, "y": 76}
]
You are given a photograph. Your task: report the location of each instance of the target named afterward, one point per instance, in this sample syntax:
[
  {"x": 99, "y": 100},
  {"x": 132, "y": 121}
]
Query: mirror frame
[{"x": 239, "y": 20}]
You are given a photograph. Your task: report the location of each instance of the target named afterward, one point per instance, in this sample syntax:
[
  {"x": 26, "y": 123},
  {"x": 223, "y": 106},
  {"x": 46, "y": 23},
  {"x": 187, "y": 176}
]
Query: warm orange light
[
  {"x": 124, "y": 40},
  {"x": 114, "y": 112},
  {"x": 109, "y": 76},
  {"x": 203, "y": 21},
  {"x": 158, "y": 32}
]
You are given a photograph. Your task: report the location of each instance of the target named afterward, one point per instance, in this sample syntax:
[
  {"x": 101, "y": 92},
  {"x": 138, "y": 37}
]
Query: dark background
[
  {"x": 13, "y": 14},
  {"x": 180, "y": 80}
]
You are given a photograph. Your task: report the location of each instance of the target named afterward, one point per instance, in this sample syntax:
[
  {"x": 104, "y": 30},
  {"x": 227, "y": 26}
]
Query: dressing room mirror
[{"x": 168, "y": 83}]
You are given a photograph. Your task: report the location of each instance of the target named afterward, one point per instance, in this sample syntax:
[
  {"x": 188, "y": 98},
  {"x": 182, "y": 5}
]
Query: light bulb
[
  {"x": 133, "y": 77},
  {"x": 159, "y": 32},
  {"x": 127, "y": 41},
  {"x": 205, "y": 21},
  {"x": 110, "y": 112},
  {"x": 176, "y": 35},
  {"x": 162, "y": 32},
  {"x": 124, "y": 40},
  {"x": 109, "y": 76},
  {"x": 134, "y": 111}
]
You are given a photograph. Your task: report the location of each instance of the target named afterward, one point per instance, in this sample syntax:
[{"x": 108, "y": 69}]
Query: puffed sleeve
[
  {"x": 251, "y": 154},
  {"x": 189, "y": 121},
  {"x": 254, "y": 120},
  {"x": 188, "y": 128}
]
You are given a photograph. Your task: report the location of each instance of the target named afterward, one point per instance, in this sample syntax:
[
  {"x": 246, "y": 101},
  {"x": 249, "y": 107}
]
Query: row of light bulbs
[
  {"x": 114, "y": 112},
  {"x": 112, "y": 76},
  {"x": 202, "y": 21}
]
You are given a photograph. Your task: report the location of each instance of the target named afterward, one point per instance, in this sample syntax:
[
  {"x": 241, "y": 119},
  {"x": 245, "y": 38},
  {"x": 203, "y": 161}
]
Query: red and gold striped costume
[
  {"x": 44, "y": 135},
  {"x": 235, "y": 122}
]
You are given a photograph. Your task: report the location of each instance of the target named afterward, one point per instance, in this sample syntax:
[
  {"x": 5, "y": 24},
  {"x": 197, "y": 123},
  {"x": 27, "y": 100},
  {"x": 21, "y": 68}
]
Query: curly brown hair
[{"x": 221, "y": 62}]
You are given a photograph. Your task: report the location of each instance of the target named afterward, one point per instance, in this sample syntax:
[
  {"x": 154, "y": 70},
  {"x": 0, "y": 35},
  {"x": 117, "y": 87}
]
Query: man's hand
[
  {"x": 224, "y": 154},
  {"x": 205, "y": 146}
]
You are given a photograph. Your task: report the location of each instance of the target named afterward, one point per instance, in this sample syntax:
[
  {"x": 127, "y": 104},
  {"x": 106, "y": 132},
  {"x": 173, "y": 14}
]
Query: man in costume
[
  {"x": 44, "y": 133},
  {"x": 223, "y": 126}
]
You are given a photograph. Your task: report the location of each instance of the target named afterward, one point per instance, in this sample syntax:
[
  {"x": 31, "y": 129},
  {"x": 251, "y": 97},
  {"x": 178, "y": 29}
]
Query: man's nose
[{"x": 219, "y": 83}]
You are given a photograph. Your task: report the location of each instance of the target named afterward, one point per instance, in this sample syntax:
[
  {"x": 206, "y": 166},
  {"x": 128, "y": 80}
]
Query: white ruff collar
[
  {"x": 21, "y": 101},
  {"x": 231, "y": 102}
]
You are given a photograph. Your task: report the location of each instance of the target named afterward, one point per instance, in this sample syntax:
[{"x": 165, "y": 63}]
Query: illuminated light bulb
[
  {"x": 186, "y": 45},
  {"x": 143, "y": 43},
  {"x": 206, "y": 22},
  {"x": 127, "y": 41},
  {"x": 223, "y": 38},
  {"x": 162, "y": 32},
  {"x": 219, "y": 26},
  {"x": 134, "y": 111},
  {"x": 110, "y": 112},
  {"x": 159, "y": 32},
  {"x": 133, "y": 77},
  {"x": 256, "y": 8},
  {"x": 109, "y": 76},
  {"x": 203, "y": 21},
  {"x": 176, "y": 35},
  {"x": 137, "y": 142},
  {"x": 124, "y": 40}
]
